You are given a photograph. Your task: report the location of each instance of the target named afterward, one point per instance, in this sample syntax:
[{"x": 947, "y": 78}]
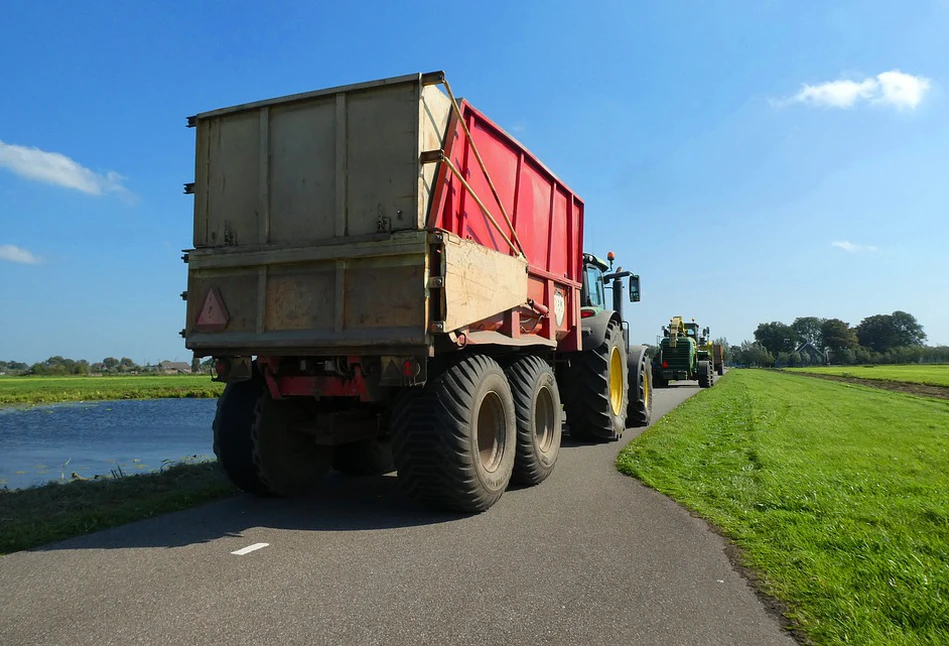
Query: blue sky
[{"x": 752, "y": 161}]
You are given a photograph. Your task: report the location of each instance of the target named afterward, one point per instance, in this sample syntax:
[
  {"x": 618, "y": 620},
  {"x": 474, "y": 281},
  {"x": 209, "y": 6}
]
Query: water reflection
[{"x": 51, "y": 442}]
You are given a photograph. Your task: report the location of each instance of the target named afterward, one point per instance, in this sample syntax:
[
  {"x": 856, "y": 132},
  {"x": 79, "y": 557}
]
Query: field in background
[
  {"x": 37, "y": 390},
  {"x": 837, "y": 494},
  {"x": 929, "y": 374}
]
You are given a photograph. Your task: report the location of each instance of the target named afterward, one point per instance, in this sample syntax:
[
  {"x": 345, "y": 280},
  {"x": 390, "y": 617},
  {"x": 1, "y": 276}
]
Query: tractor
[{"x": 685, "y": 352}]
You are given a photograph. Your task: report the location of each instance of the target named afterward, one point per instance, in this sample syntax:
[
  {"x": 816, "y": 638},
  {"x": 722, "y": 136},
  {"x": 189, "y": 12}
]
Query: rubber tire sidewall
[{"x": 532, "y": 465}]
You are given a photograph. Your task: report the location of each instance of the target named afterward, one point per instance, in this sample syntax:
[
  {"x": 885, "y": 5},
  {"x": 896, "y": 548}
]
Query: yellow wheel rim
[{"x": 616, "y": 381}]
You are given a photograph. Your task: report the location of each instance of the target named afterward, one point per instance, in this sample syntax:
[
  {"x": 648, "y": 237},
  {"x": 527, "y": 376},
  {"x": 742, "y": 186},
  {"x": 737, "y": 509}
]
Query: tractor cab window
[{"x": 593, "y": 287}]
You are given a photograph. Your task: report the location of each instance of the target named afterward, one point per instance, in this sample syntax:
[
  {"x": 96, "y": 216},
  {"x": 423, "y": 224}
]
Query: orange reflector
[{"x": 213, "y": 315}]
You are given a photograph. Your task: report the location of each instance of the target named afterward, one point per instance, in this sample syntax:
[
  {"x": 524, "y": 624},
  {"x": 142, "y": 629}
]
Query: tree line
[
  {"x": 881, "y": 338},
  {"x": 61, "y": 366}
]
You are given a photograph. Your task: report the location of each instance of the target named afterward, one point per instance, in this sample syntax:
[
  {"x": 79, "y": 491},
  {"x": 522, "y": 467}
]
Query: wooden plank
[
  {"x": 340, "y": 302},
  {"x": 480, "y": 283},
  {"x": 407, "y": 244},
  {"x": 261, "y": 299},
  {"x": 342, "y": 189},
  {"x": 263, "y": 188}
]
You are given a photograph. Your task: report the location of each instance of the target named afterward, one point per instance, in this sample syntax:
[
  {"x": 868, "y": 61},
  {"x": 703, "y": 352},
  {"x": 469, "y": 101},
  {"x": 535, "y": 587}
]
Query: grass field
[
  {"x": 931, "y": 375},
  {"x": 39, "y": 515},
  {"x": 837, "y": 494},
  {"x": 36, "y": 390}
]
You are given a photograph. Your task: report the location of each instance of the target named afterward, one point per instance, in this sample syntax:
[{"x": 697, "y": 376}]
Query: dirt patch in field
[{"x": 922, "y": 390}]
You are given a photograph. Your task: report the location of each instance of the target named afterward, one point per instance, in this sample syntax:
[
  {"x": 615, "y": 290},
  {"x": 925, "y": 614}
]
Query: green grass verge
[
  {"x": 37, "y": 390},
  {"x": 929, "y": 374},
  {"x": 52, "y": 512},
  {"x": 838, "y": 496}
]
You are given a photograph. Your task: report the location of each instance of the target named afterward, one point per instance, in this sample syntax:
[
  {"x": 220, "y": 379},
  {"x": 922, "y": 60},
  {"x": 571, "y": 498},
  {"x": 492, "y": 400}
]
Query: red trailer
[{"x": 386, "y": 278}]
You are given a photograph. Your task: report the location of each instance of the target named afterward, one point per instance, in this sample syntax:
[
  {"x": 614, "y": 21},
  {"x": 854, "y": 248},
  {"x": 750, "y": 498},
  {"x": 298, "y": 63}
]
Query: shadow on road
[{"x": 344, "y": 504}]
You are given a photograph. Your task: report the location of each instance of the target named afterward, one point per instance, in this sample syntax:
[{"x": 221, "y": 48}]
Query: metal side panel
[
  {"x": 310, "y": 299},
  {"x": 317, "y": 167}
]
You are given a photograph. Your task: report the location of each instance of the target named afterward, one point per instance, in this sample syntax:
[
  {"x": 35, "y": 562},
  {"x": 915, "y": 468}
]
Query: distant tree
[
  {"x": 840, "y": 339},
  {"x": 776, "y": 337},
  {"x": 111, "y": 363},
  {"x": 754, "y": 354},
  {"x": 908, "y": 330},
  {"x": 877, "y": 332},
  {"x": 127, "y": 365},
  {"x": 808, "y": 328},
  {"x": 195, "y": 364}
]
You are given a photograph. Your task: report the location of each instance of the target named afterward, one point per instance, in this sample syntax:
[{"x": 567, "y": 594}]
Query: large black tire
[
  {"x": 539, "y": 419},
  {"x": 639, "y": 412},
  {"x": 289, "y": 463},
  {"x": 596, "y": 402},
  {"x": 364, "y": 458},
  {"x": 233, "y": 435},
  {"x": 705, "y": 374},
  {"x": 454, "y": 440}
]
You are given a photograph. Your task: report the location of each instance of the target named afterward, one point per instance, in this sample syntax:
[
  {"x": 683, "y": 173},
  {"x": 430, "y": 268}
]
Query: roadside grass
[
  {"x": 837, "y": 495},
  {"x": 39, "y": 390},
  {"x": 929, "y": 374},
  {"x": 52, "y": 512}
]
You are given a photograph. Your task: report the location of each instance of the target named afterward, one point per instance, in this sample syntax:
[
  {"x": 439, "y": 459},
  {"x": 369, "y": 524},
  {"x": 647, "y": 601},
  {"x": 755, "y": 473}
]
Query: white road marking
[{"x": 250, "y": 548}]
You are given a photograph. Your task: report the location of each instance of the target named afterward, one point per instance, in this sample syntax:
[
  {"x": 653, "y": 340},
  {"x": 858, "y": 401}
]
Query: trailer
[{"x": 386, "y": 279}]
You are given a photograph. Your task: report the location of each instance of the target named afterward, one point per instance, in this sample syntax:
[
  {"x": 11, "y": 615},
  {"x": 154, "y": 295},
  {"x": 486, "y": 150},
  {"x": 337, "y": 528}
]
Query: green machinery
[{"x": 685, "y": 352}]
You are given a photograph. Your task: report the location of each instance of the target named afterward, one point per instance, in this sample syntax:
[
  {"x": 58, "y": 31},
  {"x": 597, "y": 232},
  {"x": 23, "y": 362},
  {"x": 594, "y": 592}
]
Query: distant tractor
[{"x": 684, "y": 353}]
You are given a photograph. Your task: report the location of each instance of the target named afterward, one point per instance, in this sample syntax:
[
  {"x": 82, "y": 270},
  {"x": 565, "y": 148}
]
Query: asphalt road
[{"x": 588, "y": 557}]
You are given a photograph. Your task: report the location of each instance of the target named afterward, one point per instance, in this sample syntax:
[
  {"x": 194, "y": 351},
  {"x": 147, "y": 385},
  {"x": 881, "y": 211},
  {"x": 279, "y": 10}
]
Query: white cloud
[
  {"x": 55, "y": 168},
  {"x": 14, "y": 253},
  {"x": 851, "y": 247},
  {"x": 893, "y": 88},
  {"x": 902, "y": 90}
]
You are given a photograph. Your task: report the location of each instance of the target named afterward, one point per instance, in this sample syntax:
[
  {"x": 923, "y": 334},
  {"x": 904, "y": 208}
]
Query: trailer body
[
  {"x": 319, "y": 232},
  {"x": 385, "y": 278}
]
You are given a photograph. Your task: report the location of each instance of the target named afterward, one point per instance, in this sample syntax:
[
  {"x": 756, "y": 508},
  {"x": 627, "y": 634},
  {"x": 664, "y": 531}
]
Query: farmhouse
[
  {"x": 811, "y": 354},
  {"x": 175, "y": 367}
]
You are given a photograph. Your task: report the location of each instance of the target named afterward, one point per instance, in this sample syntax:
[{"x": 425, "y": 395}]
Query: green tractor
[
  {"x": 685, "y": 352},
  {"x": 604, "y": 328}
]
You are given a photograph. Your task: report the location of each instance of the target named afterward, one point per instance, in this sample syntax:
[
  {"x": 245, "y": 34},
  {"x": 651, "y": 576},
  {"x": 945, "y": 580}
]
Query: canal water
[{"x": 52, "y": 442}]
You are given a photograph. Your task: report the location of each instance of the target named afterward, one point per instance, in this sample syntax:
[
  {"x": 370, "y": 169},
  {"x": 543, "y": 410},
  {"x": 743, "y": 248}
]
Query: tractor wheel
[
  {"x": 597, "y": 395},
  {"x": 370, "y": 457},
  {"x": 290, "y": 462},
  {"x": 720, "y": 369},
  {"x": 233, "y": 436},
  {"x": 539, "y": 419},
  {"x": 454, "y": 440},
  {"x": 639, "y": 412},
  {"x": 705, "y": 374}
]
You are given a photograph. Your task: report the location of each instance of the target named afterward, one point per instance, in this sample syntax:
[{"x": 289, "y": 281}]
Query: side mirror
[{"x": 634, "y": 288}]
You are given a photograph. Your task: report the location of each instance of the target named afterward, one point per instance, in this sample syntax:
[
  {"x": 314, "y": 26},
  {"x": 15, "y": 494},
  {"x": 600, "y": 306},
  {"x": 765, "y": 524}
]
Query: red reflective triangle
[{"x": 213, "y": 315}]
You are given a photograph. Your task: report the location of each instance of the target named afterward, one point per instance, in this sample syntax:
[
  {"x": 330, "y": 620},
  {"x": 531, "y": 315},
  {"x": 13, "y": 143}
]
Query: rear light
[
  {"x": 665, "y": 364},
  {"x": 585, "y": 314},
  {"x": 410, "y": 368},
  {"x": 222, "y": 367}
]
